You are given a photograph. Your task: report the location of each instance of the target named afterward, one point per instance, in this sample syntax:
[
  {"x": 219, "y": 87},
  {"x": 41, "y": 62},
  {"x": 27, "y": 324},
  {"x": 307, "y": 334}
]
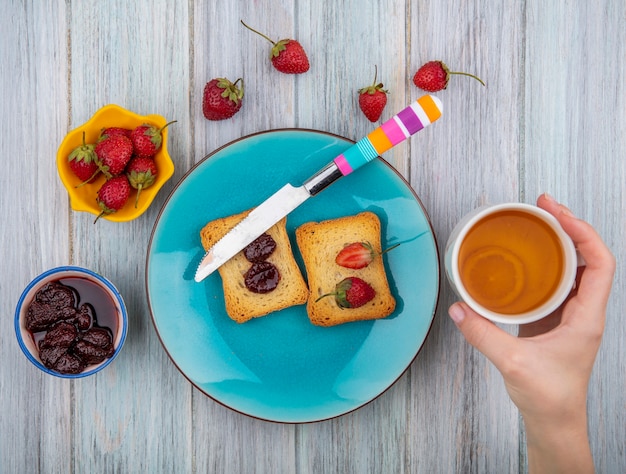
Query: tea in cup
[{"x": 512, "y": 263}]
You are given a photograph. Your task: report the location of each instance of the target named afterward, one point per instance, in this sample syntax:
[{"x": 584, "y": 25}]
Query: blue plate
[{"x": 281, "y": 367}]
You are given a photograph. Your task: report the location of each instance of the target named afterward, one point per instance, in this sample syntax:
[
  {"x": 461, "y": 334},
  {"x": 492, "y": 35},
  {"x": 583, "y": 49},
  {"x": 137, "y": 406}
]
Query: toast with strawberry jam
[
  {"x": 262, "y": 278},
  {"x": 333, "y": 294}
]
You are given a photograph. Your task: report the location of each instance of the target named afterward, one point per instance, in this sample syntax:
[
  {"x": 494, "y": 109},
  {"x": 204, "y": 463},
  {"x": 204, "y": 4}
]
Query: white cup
[{"x": 563, "y": 287}]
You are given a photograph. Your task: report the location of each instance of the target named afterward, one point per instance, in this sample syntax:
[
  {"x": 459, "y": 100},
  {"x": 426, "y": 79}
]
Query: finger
[
  {"x": 553, "y": 320},
  {"x": 593, "y": 283},
  {"x": 481, "y": 333},
  {"x": 548, "y": 203},
  {"x": 542, "y": 326},
  {"x": 597, "y": 277},
  {"x": 596, "y": 254}
]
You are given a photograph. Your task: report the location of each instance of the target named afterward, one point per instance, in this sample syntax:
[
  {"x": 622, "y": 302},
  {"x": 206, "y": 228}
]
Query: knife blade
[{"x": 401, "y": 126}]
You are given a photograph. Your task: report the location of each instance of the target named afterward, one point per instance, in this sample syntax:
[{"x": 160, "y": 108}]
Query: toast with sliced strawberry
[{"x": 339, "y": 293}]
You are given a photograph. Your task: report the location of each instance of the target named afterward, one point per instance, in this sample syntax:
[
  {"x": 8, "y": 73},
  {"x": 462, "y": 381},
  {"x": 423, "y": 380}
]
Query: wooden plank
[
  {"x": 461, "y": 418},
  {"x": 136, "y": 414},
  {"x": 575, "y": 137},
  {"x": 346, "y": 41},
  {"x": 35, "y": 410},
  {"x": 371, "y": 439},
  {"x": 223, "y": 47},
  {"x": 222, "y": 440}
]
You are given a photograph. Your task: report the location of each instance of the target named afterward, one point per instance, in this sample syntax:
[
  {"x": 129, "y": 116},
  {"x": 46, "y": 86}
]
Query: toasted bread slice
[
  {"x": 319, "y": 244},
  {"x": 241, "y": 303}
]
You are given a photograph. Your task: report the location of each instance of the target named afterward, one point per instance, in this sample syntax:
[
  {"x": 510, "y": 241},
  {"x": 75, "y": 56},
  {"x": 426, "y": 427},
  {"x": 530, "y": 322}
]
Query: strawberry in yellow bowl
[{"x": 114, "y": 165}]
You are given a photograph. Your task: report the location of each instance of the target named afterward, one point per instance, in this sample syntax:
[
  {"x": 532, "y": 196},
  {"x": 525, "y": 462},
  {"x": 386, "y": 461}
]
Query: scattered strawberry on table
[
  {"x": 287, "y": 55},
  {"x": 83, "y": 161},
  {"x": 358, "y": 255},
  {"x": 372, "y": 99},
  {"x": 352, "y": 292},
  {"x": 434, "y": 76},
  {"x": 221, "y": 98}
]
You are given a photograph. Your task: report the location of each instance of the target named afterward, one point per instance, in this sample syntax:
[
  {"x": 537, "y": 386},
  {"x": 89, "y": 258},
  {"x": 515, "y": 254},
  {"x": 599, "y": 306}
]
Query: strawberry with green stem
[
  {"x": 114, "y": 153},
  {"x": 141, "y": 172},
  {"x": 434, "y": 76},
  {"x": 221, "y": 98},
  {"x": 83, "y": 161},
  {"x": 359, "y": 255},
  {"x": 147, "y": 139},
  {"x": 372, "y": 99},
  {"x": 110, "y": 131},
  {"x": 112, "y": 195},
  {"x": 352, "y": 292},
  {"x": 287, "y": 55}
]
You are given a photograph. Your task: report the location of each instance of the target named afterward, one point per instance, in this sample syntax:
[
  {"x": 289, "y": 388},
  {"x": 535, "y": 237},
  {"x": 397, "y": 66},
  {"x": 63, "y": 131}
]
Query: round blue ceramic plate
[{"x": 281, "y": 367}]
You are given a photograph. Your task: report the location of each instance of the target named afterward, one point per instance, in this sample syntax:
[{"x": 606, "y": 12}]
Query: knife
[{"x": 401, "y": 126}]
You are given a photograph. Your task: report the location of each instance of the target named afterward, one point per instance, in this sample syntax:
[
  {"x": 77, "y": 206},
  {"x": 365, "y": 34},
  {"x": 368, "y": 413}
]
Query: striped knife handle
[{"x": 401, "y": 126}]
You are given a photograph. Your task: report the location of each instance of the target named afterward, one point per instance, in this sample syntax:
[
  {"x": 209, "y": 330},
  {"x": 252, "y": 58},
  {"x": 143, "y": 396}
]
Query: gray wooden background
[{"x": 551, "y": 118}]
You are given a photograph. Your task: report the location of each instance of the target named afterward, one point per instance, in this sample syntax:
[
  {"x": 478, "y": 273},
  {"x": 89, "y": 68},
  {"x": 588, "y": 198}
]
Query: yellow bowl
[{"x": 83, "y": 198}]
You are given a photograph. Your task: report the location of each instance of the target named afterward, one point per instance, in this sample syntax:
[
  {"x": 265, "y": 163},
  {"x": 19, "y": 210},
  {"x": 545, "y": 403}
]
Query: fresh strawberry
[
  {"x": 110, "y": 131},
  {"x": 222, "y": 99},
  {"x": 114, "y": 153},
  {"x": 287, "y": 55},
  {"x": 434, "y": 76},
  {"x": 113, "y": 195},
  {"x": 358, "y": 255},
  {"x": 372, "y": 100},
  {"x": 147, "y": 139},
  {"x": 141, "y": 172},
  {"x": 84, "y": 162},
  {"x": 352, "y": 292}
]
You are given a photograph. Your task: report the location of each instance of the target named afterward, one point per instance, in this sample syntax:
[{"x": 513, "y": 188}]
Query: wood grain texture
[
  {"x": 575, "y": 142},
  {"x": 36, "y": 410},
  {"x": 551, "y": 118},
  {"x": 129, "y": 53},
  {"x": 469, "y": 159}
]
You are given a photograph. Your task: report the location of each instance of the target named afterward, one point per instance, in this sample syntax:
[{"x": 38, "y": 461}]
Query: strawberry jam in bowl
[
  {"x": 71, "y": 322},
  {"x": 113, "y": 165}
]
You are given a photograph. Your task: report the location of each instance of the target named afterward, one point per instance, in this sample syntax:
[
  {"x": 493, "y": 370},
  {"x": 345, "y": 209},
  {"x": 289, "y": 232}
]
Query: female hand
[{"x": 547, "y": 368}]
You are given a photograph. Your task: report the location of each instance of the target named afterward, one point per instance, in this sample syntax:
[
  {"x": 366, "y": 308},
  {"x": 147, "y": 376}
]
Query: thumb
[{"x": 481, "y": 333}]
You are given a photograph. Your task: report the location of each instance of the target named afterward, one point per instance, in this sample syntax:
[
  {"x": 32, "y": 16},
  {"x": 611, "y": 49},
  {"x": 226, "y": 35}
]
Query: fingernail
[
  {"x": 456, "y": 312},
  {"x": 549, "y": 197},
  {"x": 566, "y": 211}
]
